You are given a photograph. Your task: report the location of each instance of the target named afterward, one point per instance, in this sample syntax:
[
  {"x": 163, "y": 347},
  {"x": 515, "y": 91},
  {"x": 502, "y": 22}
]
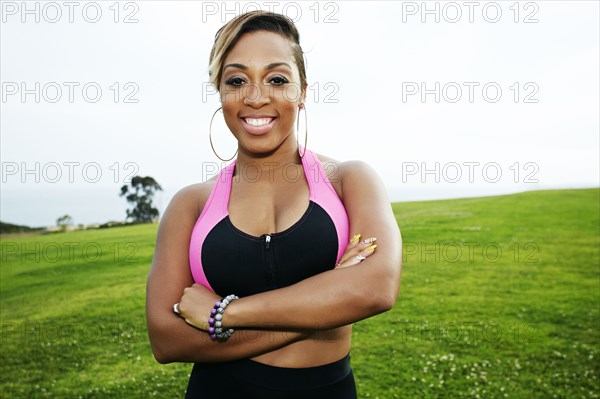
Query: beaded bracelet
[{"x": 215, "y": 329}]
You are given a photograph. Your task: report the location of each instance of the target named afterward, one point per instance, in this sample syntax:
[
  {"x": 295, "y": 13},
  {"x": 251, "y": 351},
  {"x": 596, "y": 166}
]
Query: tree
[
  {"x": 64, "y": 221},
  {"x": 140, "y": 193}
]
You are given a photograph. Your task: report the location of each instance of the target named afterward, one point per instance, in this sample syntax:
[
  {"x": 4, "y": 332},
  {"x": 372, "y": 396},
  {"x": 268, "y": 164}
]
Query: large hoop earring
[
  {"x": 210, "y": 138},
  {"x": 302, "y": 107}
]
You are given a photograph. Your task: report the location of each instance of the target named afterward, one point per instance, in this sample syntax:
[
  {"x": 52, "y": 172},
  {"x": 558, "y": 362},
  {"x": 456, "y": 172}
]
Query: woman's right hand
[{"x": 357, "y": 251}]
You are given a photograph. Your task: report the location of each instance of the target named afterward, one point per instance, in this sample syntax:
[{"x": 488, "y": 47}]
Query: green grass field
[{"x": 499, "y": 299}]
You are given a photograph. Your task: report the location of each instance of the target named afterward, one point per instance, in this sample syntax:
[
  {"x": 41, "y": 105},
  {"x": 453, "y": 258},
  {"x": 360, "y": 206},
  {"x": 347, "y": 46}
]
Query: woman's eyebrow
[
  {"x": 269, "y": 66},
  {"x": 277, "y": 64},
  {"x": 240, "y": 66}
]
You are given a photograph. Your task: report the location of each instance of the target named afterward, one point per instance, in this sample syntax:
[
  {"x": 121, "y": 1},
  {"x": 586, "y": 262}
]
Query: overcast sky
[{"x": 447, "y": 100}]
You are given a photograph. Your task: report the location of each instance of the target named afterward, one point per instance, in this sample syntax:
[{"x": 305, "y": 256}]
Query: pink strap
[
  {"x": 214, "y": 211},
  {"x": 323, "y": 193}
]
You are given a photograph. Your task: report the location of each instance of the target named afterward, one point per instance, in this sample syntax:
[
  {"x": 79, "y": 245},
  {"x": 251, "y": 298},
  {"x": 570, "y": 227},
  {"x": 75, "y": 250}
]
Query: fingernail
[
  {"x": 370, "y": 247},
  {"x": 355, "y": 239},
  {"x": 370, "y": 240}
]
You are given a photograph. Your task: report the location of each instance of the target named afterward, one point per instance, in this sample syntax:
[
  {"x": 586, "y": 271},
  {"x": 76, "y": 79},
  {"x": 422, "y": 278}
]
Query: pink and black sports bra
[{"x": 227, "y": 260}]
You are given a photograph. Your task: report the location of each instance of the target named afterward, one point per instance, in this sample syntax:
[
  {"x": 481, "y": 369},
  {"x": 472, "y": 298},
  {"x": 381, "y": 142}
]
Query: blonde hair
[{"x": 253, "y": 21}]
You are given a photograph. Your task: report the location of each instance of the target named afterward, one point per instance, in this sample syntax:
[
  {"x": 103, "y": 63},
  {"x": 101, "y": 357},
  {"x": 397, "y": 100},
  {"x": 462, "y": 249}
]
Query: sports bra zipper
[{"x": 271, "y": 273}]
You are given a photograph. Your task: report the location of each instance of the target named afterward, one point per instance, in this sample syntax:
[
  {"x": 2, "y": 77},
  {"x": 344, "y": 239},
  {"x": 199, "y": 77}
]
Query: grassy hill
[
  {"x": 499, "y": 299},
  {"x": 8, "y": 228}
]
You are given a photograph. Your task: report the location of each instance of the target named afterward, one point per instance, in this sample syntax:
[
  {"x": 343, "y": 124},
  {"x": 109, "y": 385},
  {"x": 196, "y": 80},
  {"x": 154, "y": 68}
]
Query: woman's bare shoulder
[
  {"x": 192, "y": 198},
  {"x": 346, "y": 164},
  {"x": 336, "y": 170},
  {"x": 342, "y": 167}
]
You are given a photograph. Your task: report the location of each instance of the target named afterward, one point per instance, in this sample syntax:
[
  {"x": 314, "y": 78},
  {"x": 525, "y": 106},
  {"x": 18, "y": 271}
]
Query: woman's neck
[{"x": 266, "y": 165}]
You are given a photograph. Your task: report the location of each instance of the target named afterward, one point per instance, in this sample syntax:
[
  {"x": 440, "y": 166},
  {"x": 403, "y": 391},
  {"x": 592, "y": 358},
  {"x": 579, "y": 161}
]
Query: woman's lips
[{"x": 257, "y": 126}]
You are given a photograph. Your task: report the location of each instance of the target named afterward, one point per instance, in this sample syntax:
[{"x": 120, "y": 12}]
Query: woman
[{"x": 272, "y": 228}]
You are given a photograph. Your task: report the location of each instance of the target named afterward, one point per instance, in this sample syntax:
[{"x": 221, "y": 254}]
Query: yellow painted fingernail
[
  {"x": 370, "y": 247},
  {"x": 355, "y": 239}
]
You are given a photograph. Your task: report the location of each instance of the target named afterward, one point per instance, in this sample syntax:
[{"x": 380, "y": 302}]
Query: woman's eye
[
  {"x": 235, "y": 81},
  {"x": 278, "y": 80}
]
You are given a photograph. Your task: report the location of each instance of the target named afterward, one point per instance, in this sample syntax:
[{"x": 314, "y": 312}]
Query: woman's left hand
[{"x": 195, "y": 305}]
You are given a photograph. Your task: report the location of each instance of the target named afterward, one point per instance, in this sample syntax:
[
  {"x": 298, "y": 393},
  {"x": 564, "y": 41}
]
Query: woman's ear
[{"x": 303, "y": 95}]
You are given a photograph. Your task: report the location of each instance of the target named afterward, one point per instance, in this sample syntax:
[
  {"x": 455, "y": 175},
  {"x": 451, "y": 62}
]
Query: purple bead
[
  {"x": 211, "y": 330},
  {"x": 213, "y": 311},
  {"x": 218, "y": 304},
  {"x": 211, "y": 321},
  {"x": 213, "y": 337}
]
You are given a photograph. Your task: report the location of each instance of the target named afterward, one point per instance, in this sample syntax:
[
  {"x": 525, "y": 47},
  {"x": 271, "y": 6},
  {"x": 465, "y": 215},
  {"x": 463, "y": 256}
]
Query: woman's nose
[{"x": 257, "y": 95}]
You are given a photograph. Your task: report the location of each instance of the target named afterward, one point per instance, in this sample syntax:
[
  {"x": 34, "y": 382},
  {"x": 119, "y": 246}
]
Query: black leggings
[{"x": 248, "y": 379}]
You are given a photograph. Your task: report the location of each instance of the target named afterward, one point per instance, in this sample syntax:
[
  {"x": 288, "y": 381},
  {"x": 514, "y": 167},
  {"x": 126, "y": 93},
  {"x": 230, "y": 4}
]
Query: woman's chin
[{"x": 260, "y": 149}]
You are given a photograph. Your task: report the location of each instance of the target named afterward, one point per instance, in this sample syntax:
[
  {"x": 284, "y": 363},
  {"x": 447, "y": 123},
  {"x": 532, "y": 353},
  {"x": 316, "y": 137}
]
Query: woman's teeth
[{"x": 258, "y": 122}]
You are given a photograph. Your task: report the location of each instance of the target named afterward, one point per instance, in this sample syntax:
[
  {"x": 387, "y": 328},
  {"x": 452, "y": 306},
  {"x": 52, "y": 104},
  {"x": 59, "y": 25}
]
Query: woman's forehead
[{"x": 258, "y": 49}]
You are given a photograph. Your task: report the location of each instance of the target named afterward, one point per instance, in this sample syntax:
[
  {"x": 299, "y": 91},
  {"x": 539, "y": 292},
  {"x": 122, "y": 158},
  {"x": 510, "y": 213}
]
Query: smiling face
[{"x": 261, "y": 92}]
